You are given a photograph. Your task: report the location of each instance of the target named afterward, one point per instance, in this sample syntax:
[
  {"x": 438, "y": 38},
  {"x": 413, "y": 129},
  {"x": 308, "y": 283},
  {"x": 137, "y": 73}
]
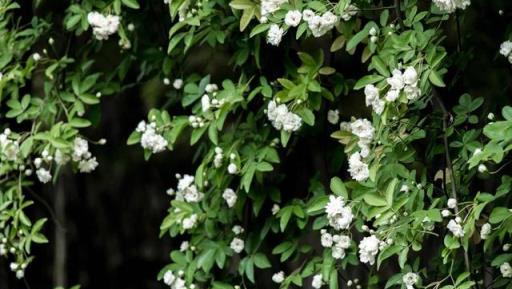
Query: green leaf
[
  {"x": 261, "y": 261},
  {"x": 375, "y": 200},
  {"x": 368, "y": 79},
  {"x": 499, "y": 214},
  {"x": 131, "y": 3},
  {"x": 338, "y": 187},
  {"x": 436, "y": 79}
]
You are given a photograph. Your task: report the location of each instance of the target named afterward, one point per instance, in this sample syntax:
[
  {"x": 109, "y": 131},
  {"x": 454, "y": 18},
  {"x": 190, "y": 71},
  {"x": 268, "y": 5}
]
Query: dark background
[{"x": 110, "y": 218}]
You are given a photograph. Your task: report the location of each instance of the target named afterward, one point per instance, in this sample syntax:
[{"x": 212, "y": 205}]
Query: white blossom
[
  {"x": 205, "y": 103},
  {"x": 232, "y": 168},
  {"x": 326, "y": 240},
  {"x": 274, "y": 35},
  {"x": 237, "y": 229},
  {"x": 177, "y": 83},
  {"x": 455, "y": 228},
  {"x": 482, "y": 168},
  {"x": 184, "y": 246},
  {"x": 333, "y": 116},
  {"x": 293, "y": 18},
  {"x": 151, "y": 139},
  {"x": 357, "y": 168},
  {"x": 43, "y": 175},
  {"x": 349, "y": 12},
  {"x": 506, "y": 270},
  {"x": 237, "y": 245},
  {"x": 307, "y": 14},
  {"x": 485, "y": 231},
  {"x": 87, "y": 165},
  {"x": 368, "y": 249},
  {"x": 410, "y": 279},
  {"x": 445, "y": 213},
  {"x": 230, "y": 197},
  {"x": 270, "y": 6},
  {"x": 189, "y": 222},
  {"x": 103, "y": 26},
  {"x": 281, "y": 118},
  {"x": 339, "y": 216},
  {"x": 211, "y": 87},
  {"x": 317, "y": 281},
  {"x": 278, "y": 277},
  {"x": 451, "y": 203},
  {"x": 275, "y": 209},
  {"x": 449, "y": 6}
]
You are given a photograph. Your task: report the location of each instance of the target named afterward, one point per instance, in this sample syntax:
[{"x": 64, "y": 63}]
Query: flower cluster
[
  {"x": 237, "y": 245},
  {"x": 281, "y": 118},
  {"x": 333, "y": 116},
  {"x": 319, "y": 24},
  {"x": 186, "y": 189},
  {"x": 363, "y": 129},
  {"x": 270, "y": 6},
  {"x": 86, "y": 162},
  {"x": 278, "y": 277},
  {"x": 338, "y": 242},
  {"x": 368, "y": 249},
  {"x": 339, "y": 216},
  {"x": 150, "y": 138},
  {"x": 450, "y": 6},
  {"x": 506, "y": 270},
  {"x": 454, "y": 225},
  {"x": 206, "y": 102},
  {"x": 317, "y": 281},
  {"x": 406, "y": 81},
  {"x": 9, "y": 148},
  {"x": 103, "y": 26},
  {"x": 372, "y": 98},
  {"x": 274, "y": 35},
  {"x": 506, "y": 50},
  {"x": 174, "y": 281}
]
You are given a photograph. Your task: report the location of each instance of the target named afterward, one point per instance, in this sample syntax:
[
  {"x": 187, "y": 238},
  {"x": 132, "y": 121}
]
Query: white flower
[
  {"x": 490, "y": 116},
  {"x": 350, "y": 11},
  {"x": 175, "y": 281},
  {"x": 396, "y": 81},
  {"x": 326, "y": 240},
  {"x": 363, "y": 129},
  {"x": 333, "y": 116},
  {"x": 184, "y": 246},
  {"x": 506, "y": 270},
  {"x": 189, "y": 222},
  {"x": 412, "y": 92},
  {"x": 87, "y": 165},
  {"x": 506, "y": 247},
  {"x": 392, "y": 95},
  {"x": 339, "y": 216},
  {"x": 410, "y": 279},
  {"x": 445, "y": 213},
  {"x": 237, "y": 245},
  {"x": 230, "y": 196},
  {"x": 378, "y": 106},
  {"x": 482, "y": 168},
  {"x": 278, "y": 277},
  {"x": 410, "y": 76},
  {"x": 152, "y": 140},
  {"x": 357, "y": 168},
  {"x": 275, "y": 209},
  {"x": 270, "y": 6},
  {"x": 43, "y": 175},
  {"x": 211, "y": 87},
  {"x": 177, "y": 83},
  {"x": 80, "y": 149},
  {"x": 449, "y": 6},
  {"x": 368, "y": 249},
  {"x": 342, "y": 241},
  {"x": 11, "y": 150},
  {"x": 36, "y": 56},
  {"x": 307, "y": 14},
  {"x": 338, "y": 252},
  {"x": 205, "y": 103},
  {"x": 317, "y": 281},
  {"x": 293, "y": 18},
  {"x": 451, "y": 203},
  {"x": 237, "y": 229},
  {"x": 281, "y": 118},
  {"x": 167, "y": 81},
  {"x": 274, "y": 35},
  {"x": 371, "y": 93},
  {"x": 103, "y": 26},
  {"x": 485, "y": 231},
  {"x": 455, "y": 228},
  {"x": 232, "y": 168}
]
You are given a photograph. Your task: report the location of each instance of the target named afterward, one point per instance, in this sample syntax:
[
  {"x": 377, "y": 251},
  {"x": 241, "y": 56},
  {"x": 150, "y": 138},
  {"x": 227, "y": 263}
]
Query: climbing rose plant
[{"x": 400, "y": 209}]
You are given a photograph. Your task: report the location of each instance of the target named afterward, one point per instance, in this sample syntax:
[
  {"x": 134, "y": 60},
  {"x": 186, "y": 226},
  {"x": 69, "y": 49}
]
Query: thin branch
[{"x": 449, "y": 164}]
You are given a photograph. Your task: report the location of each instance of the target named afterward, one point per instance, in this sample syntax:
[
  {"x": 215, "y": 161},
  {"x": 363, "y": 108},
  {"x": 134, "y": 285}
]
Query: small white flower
[
  {"x": 506, "y": 247},
  {"x": 237, "y": 229},
  {"x": 326, "y": 240},
  {"x": 177, "y": 83},
  {"x": 485, "y": 231},
  {"x": 36, "y": 56},
  {"x": 392, "y": 95},
  {"x": 482, "y": 168},
  {"x": 368, "y": 249},
  {"x": 410, "y": 279},
  {"x": 275, "y": 209},
  {"x": 452, "y": 203},
  {"x": 184, "y": 246},
  {"x": 278, "y": 277},
  {"x": 232, "y": 168},
  {"x": 455, "y": 228},
  {"x": 237, "y": 245},
  {"x": 445, "y": 213},
  {"x": 167, "y": 81},
  {"x": 43, "y": 175},
  {"x": 103, "y": 26},
  {"x": 189, "y": 222},
  {"x": 274, "y": 35},
  {"x": 87, "y": 165},
  {"x": 205, "y": 103},
  {"x": 293, "y": 18},
  {"x": 490, "y": 116},
  {"x": 317, "y": 281},
  {"x": 357, "y": 168},
  {"x": 506, "y": 48},
  {"x": 230, "y": 197},
  {"x": 506, "y": 270},
  {"x": 307, "y": 14},
  {"x": 333, "y": 116},
  {"x": 410, "y": 76}
]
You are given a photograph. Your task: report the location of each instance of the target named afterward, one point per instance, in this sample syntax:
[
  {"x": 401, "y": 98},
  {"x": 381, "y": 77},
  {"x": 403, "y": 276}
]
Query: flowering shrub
[{"x": 401, "y": 207}]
